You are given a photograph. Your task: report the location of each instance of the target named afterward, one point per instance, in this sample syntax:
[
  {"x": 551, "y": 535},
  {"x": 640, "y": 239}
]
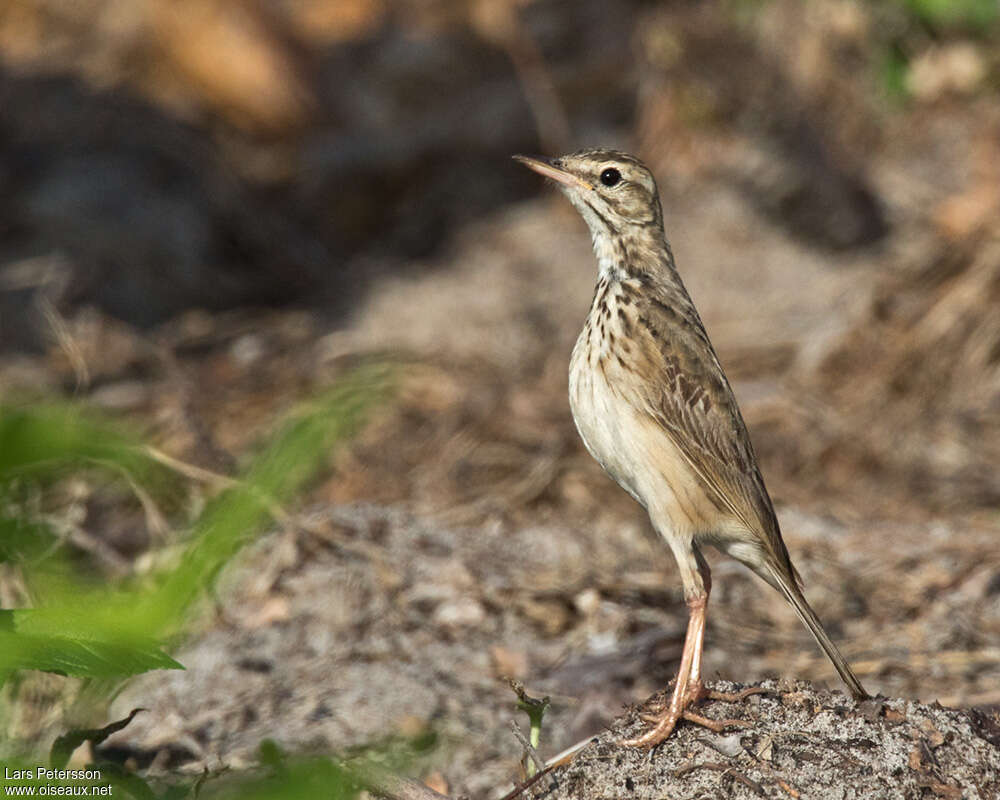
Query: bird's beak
[{"x": 549, "y": 170}]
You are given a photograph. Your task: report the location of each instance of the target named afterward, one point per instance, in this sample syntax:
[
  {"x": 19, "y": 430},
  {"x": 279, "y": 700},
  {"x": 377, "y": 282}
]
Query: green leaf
[
  {"x": 44, "y": 640},
  {"x": 303, "y": 779},
  {"x": 79, "y": 657},
  {"x": 119, "y": 630},
  {"x": 131, "y": 784},
  {"x": 239, "y": 514},
  {"x": 39, "y": 437}
]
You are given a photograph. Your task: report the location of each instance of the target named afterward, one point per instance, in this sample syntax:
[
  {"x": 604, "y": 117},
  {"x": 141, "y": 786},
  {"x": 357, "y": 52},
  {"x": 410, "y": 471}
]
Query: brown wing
[{"x": 694, "y": 404}]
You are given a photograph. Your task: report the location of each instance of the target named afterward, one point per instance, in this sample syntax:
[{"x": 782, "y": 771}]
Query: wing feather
[{"x": 694, "y": 404}]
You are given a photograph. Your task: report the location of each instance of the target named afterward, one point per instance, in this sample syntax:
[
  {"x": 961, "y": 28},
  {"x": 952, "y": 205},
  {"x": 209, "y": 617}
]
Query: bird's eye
[{"x": 610, "y": 176}]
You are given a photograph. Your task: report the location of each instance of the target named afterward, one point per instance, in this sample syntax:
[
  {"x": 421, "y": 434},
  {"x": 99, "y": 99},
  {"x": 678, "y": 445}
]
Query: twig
[
  {"x": 568, "y": 754},
  {"x": 528, "y": 749},
  {"x": 66, "y": 341},
  {"x": 392, "y": 787},
  {"x": 155, "y": 520},
  {"x": 723, "y": 768},
  {"x": 220, "y": 481},
  {"x": 192, "y": 471},
  {"x": 96, "y": 547},
  {"x": 518, "y": 790}
]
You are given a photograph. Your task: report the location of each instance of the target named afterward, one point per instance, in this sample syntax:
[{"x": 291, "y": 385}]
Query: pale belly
[
  {"x": 600, "y": 416},
  {"x": 631, "y": 447}
]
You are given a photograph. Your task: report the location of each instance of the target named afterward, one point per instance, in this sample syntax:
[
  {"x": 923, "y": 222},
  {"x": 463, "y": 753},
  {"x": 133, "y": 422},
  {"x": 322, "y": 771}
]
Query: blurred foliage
[
  {"x": 36, "y": 441},
  {"x": 39, "y": 446},
  {"x": 70, "y": 650},
  {"x": 108, "y": 630},
  {"x": 279, "y": 777},
  {"x": 895, "y": 67},
  {"x": 932, "y": 47},
  {"x": 969, "y": 16},
  {"x": 287, "y": 779}
]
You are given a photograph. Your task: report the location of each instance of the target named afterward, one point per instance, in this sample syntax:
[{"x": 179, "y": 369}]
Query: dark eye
[{"x": 610, "y": 176}]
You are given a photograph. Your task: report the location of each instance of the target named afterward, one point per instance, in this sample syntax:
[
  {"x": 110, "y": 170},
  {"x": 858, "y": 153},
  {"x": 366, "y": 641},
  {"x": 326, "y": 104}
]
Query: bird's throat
[
  {"x": 632, "y": 253},
  {"x": 610, "y": 253}
]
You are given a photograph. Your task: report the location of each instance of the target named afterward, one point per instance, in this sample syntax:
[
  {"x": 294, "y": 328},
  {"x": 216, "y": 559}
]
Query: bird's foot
[
  {"x": 663, "y": 717},
  {"x": 663, "y": 724}
]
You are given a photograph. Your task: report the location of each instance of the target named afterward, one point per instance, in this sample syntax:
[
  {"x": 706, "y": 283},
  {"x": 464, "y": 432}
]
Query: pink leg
[
  {"x": 665, "y": 721},
  {"x": 696, "y": 688},
  {"x": 688, "y": 687}
]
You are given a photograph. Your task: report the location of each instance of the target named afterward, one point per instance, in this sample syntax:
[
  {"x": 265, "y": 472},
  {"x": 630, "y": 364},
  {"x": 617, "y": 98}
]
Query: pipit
[{"x": 653, "y": 406}]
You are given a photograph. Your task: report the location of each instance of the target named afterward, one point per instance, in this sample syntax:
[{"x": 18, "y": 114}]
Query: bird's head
[{"x": 615, "y": 192}]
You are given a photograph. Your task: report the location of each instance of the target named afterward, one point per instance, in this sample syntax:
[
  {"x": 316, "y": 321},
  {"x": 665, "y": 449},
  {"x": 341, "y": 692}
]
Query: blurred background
[{"x": 212, "y": 209}]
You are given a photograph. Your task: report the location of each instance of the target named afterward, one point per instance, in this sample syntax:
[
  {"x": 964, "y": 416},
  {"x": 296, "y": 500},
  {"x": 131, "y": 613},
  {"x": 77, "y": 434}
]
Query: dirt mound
[{"x": 799, "y": 743}]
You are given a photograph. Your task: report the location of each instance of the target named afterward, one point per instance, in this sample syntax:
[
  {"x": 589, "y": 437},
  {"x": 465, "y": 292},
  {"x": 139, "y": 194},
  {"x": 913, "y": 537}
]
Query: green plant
[
  {"x": 535, "y": 709},
  {"x": 278, "y": 777},
  {"x": 105, "y": 631},
  {"x": 970, "y": 16}
]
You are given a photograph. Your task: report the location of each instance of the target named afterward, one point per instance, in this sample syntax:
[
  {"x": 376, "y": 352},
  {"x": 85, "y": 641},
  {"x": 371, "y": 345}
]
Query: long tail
[{"x": 794, "y": 596}]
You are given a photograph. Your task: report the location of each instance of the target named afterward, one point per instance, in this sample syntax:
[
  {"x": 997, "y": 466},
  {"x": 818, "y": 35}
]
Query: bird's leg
[
  {"x": 688, "y": 687},
  {"x": 695, "y": 687},
  {"x": 665, "y": 720},
  {"x": 696, "y": 632}
]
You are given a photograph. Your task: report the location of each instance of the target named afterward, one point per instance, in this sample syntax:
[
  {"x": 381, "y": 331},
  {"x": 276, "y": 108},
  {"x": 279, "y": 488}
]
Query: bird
[{"x": 653, "y": 406}]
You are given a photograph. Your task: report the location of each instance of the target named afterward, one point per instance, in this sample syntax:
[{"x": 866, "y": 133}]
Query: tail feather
[{"x": 794, "y": 595}]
